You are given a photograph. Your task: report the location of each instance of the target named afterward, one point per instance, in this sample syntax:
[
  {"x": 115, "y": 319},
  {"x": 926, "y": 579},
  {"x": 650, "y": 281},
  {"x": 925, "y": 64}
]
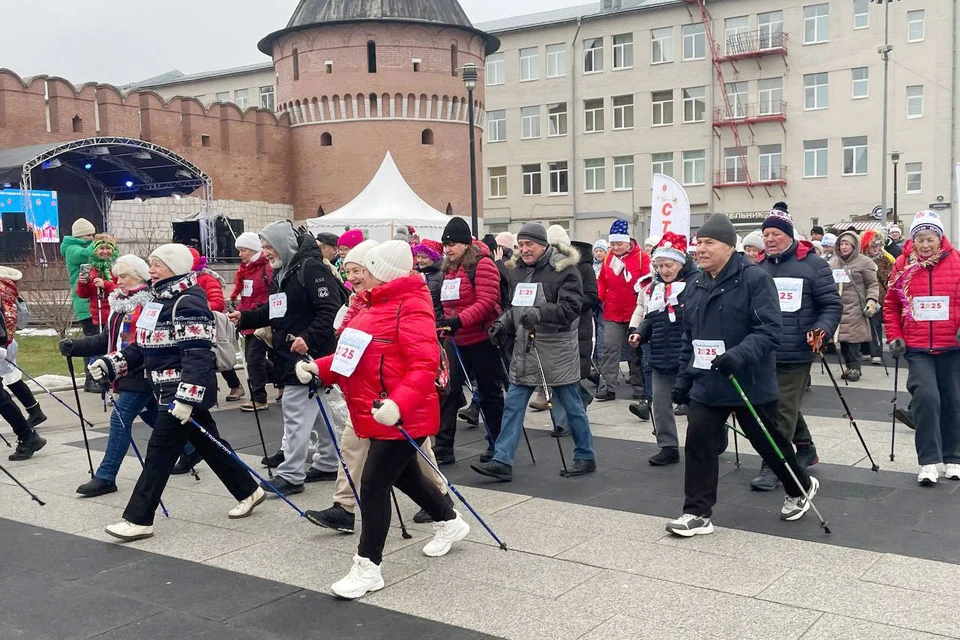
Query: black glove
[
  {"x": 530, "y": 318},
  {"x": 452, "y": 324},
  {"x": 725, "y": 364},
  {"x": 66, "y": 348},
  {"x": 496, "y": 332},
  {"x": 680, "y": 395}
]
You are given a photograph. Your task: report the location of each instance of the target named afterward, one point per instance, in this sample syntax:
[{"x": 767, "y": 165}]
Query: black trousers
[
  {"x": 23, "y": 394},
  {"x": 255, "y": 353},
  {"x": 231, "y": 378},
  {"x": 393, "y": 463},
  {"x": 851, "y": 354},
  {"x": 12, "y": 414},
  {"x": 165, "y": 446},
  {"x": 483, "y": 361},
  {"x": 705, "y": 429}
]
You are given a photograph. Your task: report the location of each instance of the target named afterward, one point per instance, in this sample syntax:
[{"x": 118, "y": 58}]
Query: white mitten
[
  {"x": 306, "y": 370},
  {"x": 388, "y": 414},
  {"x": 99, "y": 369},
  {"x": 181, "y": 411}
]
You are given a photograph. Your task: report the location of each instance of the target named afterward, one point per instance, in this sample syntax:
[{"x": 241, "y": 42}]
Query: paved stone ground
[{"x": 589, "y": 557}]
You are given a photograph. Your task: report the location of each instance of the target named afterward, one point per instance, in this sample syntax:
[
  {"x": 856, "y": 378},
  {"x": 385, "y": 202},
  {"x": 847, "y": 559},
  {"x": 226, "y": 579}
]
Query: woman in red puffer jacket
[
  {"x": 251, "y": 288},
  {"x": 388, "y": 380},
  {"x": 922, "y": 316}
]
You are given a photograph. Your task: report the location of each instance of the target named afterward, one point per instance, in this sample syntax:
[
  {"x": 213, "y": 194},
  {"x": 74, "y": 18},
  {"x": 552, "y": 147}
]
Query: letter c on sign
[{"x": 667, "y": 209}]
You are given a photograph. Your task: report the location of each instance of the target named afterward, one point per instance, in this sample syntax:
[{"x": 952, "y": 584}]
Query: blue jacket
[
  {"x": 659, "y": 332},
  {"x": 820, "y": 305},
  {"x": 743, "y": 311}
]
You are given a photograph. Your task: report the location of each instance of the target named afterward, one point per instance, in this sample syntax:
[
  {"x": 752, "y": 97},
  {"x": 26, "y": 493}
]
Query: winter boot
[
  {"x": 35, "y": 416},
  {"x": 97, "y": 487},
  {"x": 806, "y": 454},
  {"x": 185, "y": 463},
  {"x": 667, "y": 455},
  {"x": 766, "y": 480},
  {"x": 579, "y": 468},
  {"x": 471, "y": 414},
  {"x": 274, "y": 461},
  {"x": 28, "y": 446},
  {"x": 494, "y": 469},
  {"x": 641, "y": 410}
]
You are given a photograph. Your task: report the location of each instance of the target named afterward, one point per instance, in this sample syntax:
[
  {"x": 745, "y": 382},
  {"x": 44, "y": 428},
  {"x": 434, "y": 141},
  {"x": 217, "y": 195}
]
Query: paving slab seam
[{"x": 128, "y": 624}]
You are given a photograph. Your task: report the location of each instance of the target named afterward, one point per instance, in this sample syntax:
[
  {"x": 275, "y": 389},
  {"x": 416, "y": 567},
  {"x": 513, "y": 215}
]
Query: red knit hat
[
  {"x": 672, "y": 246},
  {"x": 430, "y": 248}
]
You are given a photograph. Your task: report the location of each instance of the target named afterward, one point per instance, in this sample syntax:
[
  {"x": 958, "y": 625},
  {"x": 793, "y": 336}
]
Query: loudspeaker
[
  {"x": 226, "y": 236},
  {"x": 187, "y": 233},
  {"x": 16, "y": 241},
  {"x": 14, "y": 221}
]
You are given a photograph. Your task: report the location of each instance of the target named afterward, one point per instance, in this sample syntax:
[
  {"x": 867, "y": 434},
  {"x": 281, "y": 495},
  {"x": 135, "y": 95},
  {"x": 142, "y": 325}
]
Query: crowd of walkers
[{"x": 380, "y": 341}]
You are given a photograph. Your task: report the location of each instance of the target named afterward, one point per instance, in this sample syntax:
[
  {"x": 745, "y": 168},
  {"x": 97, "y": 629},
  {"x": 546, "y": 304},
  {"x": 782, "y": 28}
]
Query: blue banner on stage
[{"x": 43, "y": 219}]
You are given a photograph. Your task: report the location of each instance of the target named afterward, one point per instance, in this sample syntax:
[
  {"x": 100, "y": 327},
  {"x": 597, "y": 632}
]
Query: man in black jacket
[
  {"x": 304, "y": 301},
  {"x": 810, "y": 309},
  {"x": 731, "y": 328}
]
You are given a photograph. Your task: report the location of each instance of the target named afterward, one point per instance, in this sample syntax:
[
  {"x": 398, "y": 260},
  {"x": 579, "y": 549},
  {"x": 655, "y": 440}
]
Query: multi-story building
[
  {"x": 745, "y": 102},
  {"x": 252, "y": 85}
]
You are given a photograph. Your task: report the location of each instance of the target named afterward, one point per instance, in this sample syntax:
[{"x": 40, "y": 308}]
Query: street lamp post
[
  {"x": 895, "y": 157},
  {"x": 470, "y": 75},
  {"x": 884, "y": 52}
]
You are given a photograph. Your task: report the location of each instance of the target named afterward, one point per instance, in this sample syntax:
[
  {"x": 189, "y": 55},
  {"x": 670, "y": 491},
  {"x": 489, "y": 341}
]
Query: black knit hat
[
  {"x": 718, "y": 227},
  {"x": 456, "y": 231},
  {"x": 328, "y": 238},
  {"x": 534, "y": 232}
]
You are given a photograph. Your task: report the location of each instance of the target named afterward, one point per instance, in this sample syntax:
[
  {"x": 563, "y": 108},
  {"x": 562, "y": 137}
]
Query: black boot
[
  {"x": 667, "y": 455},
  {"x": 422, "y": 517},
  {"x": 185, "y": 463},
  {"x": 96, "y": 487},
  {"x": 641, "y": 410},
  {"x": 470, "y": 415},
  {"x": 806, "y": 454},
  {"x": 35, "y": 416},
  {"x": 559, "y": 431},
  {"x": 26, "y": 398},
  {"x": 274, "y": 461},
  {"x": 444, "y": 456},
  {"x": 336, "y": 518},
  {"x": 580, "y": 468},
  {"x": 28, "y": 446},
  {"x": 766, "y": 480},
  {"x": 494, "y": 469}
]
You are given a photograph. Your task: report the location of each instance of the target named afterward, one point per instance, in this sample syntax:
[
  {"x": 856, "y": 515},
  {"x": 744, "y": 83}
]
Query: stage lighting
[
  {"x": 129, "y": 183},
  {"x": 100, "y": 151},
  {"x": 186, "y": 175},
  {"x": 88, "y": 166},
  {"x": 177, "y": 196},
  {"x": 52, "y": 164},
  {"x": 141, "y": 155},
  {"x": 138, "y": 200}
]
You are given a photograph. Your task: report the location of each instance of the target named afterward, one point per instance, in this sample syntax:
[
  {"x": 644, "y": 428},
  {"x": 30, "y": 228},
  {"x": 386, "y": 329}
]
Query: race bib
[
  {"x": 278, "y": 305},
  {"x": 247, "y": 289},
  {"x": 931, "y": 308},
  {"x": 706, "y": 351},
  {"x": 616, "y": 264},
  {"x": 149, "y": 315},
  {"x": 656, "y": 303},
  {"x": 525, "y": 295},
  {"x": 790, "y": 292},
  {"x": 841, "y": 276},
  {"x": 450, "y": 289},
  {"x": 350, "y": 349}
]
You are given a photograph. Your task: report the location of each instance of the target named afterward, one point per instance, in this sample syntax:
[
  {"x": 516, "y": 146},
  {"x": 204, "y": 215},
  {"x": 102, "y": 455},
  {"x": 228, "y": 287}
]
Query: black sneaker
[
  {"x": 26, "y": 448},
  {"x": 580, "y": 468},
  {"x": 185, "y": 463},
  {"x": 667, "y": 455},
  {"x": 605, "y": 397},
  {"x": 494, "y": 469},
  {"x": 806, "y": 454},
  {"x": 641, "y": 410},
  {"x": 470, "y": 415},
  {"x": 283, "y": 486},
  {"x": 274, "y": 461},
  {"x": 444, "y": 457},
  {"x": 487, "y": 455},
  {"x": 903, "y": 415},
  {"x": 35, "y": 416},
  {"x": 336, "y": 518},
  {"x": 315, "y": 475},
  {"x": 766, "y": 480},
  {"x": 97, "y": 487},
  {"x": 422, "y": 517},
  {"x": 559, "y": 431}
]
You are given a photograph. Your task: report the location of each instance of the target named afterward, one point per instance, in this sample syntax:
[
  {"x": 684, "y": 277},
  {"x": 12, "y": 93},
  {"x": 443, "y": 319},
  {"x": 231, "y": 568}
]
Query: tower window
[
  {"x": 296, "y": 64},
  {"x": 416, "y": 65},
  {"x": 77, "y": 124},
  {"x": 426, "y": 136},
  {"x": 454, "y": 58},
  {"x": 326, "y": 140},
  {"x": 373, "y": 105},
  {"x": 371, "y": 56}
]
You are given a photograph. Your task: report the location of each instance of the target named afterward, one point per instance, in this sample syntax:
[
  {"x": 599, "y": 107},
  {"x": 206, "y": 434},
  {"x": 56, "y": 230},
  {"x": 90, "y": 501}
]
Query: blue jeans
[
  {"x": 514, "y": 409},
  {"x": 129, "y": 406}
]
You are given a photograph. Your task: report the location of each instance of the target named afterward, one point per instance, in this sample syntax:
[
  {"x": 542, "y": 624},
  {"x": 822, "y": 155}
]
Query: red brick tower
[{"x": 359, "y": 78}]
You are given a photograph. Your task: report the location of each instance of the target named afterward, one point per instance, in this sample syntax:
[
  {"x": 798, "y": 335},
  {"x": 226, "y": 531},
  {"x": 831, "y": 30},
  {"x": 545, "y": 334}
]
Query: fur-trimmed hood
[
  {"x": 565, "y": 255},
  {"x": 9, "y": 273}
]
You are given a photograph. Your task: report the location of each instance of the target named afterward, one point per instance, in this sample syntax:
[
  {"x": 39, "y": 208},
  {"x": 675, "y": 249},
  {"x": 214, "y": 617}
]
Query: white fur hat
[
  {"x": 9, "y": 273},
  {"x": 390, "y": 261},
  {"x": 132, "y": 264},
  {"x": 175, "y": 256}
]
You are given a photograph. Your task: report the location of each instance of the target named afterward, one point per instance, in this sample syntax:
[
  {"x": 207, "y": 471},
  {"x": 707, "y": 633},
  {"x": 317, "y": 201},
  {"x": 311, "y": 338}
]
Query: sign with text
[
  {"x": 43, "y": 219},
  {"x": 671, "y": 207}
]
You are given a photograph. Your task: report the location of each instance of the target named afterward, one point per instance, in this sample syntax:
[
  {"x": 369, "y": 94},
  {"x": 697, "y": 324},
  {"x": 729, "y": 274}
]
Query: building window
[
  {"x": 454, "y": 59},
  {"x": 662, "y": 107},
  {"x": 371, "y": 56},
  {"x": 771, "y": 161},
  {"x": 326, "y": 140},
  {"x": 296, "y": 65},
  {"x": 557, "y": 119},
  {"x": 694, "y": 41},
  {"x": 531, "y": 179},
  {"x": 914, "y": 176},
  {"x": 861, "y": 82},
  {"x": 372, "y": 111},
  {"x": 735, "y": 34},
  {"x": 556, "y": 60},
  {"x": 855, "y": 156},
  {"x": 623, "y": 51},
  {"x": 816, "y": 23},
  {"x": 593, "y": 55},
  {"x": 771, "y": 96},
  {"x": 593, "y": 115},
  {"x": 915, "y": 27},
  {"x": 498, "y": 182},
  {"x": 661, "y": 45},
  {"x": 223, "y": 96},
  {"x": 494, "y": 69},
  {"x": 623, "y": 173},
  {"x": 529, "y": 122},
  {"x": 497, "y": 126},
  {"x": 771, "y": 29},
  {"x": 737, "y": 96},
  {"x": 77, "y": 124},
  {"x": 267, "y": 98},
  {"x": 915, "y": 101},
  {"x": 814, "y": 158},
  {"x": 593, "y": 175},
  {"x": 529, "y": 64},
  {"x": 661, "y": 163},
  {"x": 623, "y": 112},
  {"x": 426, "y": 136},
  {"x": 694, "y": 104},
  {"x": 694, "y": 167},
  {"x": 204, "y": 141},
  {"x": 328, "y": 66},
  {"x": 559, "y": 178},
  {"x": 416, "y": 65},
  {"x": 861, "y": 14},
  {"x": 733, "y": 164},
  {"x": 815, "y": 94},
  {"x": 242, "y": 98}
]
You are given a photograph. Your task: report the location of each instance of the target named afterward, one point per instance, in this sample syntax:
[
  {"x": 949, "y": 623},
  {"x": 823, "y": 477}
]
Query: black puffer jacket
[
  {"x": 820, "y": 305},
  {"x": 434, "y": 277},
  {"x": 658, "y": 330},
  {"x": 591, "y": 302},
  {"x": 741, "y": 309},
  {"x": 176, "y": 352}
]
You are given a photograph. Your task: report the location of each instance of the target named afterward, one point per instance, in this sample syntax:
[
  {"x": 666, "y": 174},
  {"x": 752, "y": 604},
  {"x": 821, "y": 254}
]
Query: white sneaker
[
  {"x": 245, "y": 507},
  {"x": 794, "y": 508},
  {"x": 445, "y": 534},
  {"x": 689, "y": 525},
  {"x": 952, "y": 471},
  {"x": 364, "y": 577},
  {"x": 928, "y": 475},
  {"x": 128, "y": 532}
]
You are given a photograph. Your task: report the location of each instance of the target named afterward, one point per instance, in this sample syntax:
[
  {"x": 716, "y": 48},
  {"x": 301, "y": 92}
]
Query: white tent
[{"x": 385, "y": 203}]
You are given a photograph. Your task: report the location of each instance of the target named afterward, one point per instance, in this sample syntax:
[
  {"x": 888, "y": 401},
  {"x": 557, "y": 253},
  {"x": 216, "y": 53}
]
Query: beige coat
[{"x": 863, "y": 286}]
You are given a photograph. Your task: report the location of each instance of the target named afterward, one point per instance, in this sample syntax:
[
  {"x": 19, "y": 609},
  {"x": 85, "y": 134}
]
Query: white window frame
[
  {"x": 661, "y": 39},
  {"x": 770, "y": 161},
  {"x": 222, "y": 96},
  {"x": 861, "y": 14},
  {"x": 732, "y": 40},
  {"x": 695, "y": 35},
  {"x": 494, "y": 70},
  {"x": 593, "y": 120},
  {"x": 813, "y": 90},
  {"x": 624, "y": 112},
  {"x": 913, "y": 170},
  {"x": 857, "y": 151},
  {"x": 557, "y": 60},
  {"x": 819, "y": 155},
  {"x": 913, "y": 19},
  {"x": 661, "y": 163},
  {"x": 531, "y": 180},
  {"x": 913, "y": 101},
  {"x": 734, "y": 159},
  {"x": 497, "y": 183},
  {"x": 594, "y": 54},
  {"x": 594, "y": 175},
  {"x": 557, "y": 120},
  {"x": 690, "y": 101},
  {"x": 770, "y": 98},
  {"x": 268, "y": 92},
  {"x": 497, "y": 125},
  {"x": 770, "y": 29},
  {"x": 862, "y": 82},
  {"x": 529, "y": 64},
  {"x": 530, "y": 123},
  {"x": 241, "y": 98},
  {"x": 623, "y": 49},
  {"x": 817, "y": 15},
  {"x": 659, "y": 107},
  {"x": 554, "y": 169},
  {"x": 693, "y": 163},
  {"x": 623, "y": 176},
  {"x": 738, "y": 95}
]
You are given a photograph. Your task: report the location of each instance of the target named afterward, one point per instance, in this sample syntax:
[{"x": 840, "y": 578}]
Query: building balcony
[
  {"x": 769, "y": 176},
  {"x": 752, "y": 113},
  {"x": 754, "y": 44}
]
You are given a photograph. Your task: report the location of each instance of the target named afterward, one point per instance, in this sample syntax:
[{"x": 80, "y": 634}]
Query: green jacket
[{"x": 77, "y": 251}]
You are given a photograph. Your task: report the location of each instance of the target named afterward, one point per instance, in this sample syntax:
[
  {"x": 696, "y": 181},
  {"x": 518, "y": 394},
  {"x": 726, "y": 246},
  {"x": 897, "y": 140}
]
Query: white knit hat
[
  {"x": 557, "y": 235},
  {"x": 926, "y": 221},
  {"x": 131, "y": 264},
  {"x": 652, "y": 241},
  {"x": 753, "y": 239},
  {"x": 390, "y": 261},
  {"x": 175, "y": 256},
  {"x": 829, "y": 240},
  {"x": 83, "y": 227},
  {"x": 506, "y": 240},
  {"x": 359, "y": 252},
  {"x": 249, "y": 240}
]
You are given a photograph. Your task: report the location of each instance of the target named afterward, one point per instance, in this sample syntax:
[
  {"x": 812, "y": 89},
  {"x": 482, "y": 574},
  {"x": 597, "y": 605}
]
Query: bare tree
[{"x": 46, "y": 288}]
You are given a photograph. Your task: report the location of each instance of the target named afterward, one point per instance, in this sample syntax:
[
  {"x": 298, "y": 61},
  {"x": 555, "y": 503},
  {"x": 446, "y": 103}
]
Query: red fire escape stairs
[{"x": 727, "y": 117}]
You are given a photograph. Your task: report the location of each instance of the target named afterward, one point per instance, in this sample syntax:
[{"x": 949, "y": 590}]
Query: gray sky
[{"x": 120, "y": 41}]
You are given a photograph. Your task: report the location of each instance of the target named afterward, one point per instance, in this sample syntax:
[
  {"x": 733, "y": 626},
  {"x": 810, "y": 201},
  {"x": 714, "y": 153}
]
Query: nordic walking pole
[
  {"x": 233, "y": 454},
  {"x": 736, "y": 445},
  {"x": 376, "y": 405},
  {"x": 7, "y": 442},
  {"x": 333, "y": 438},
  {"x": 52, "y": 395},
  {"x": 32, "y": 495},
  {"x": 256, "y": 415},
  {"x": 403, "y": 528},
  {"x": 506, "y": 380},
  {"x": 136, "y": 450},
  {"x": 531, "y": 338},
  {"x": 776, "y": 449},
  {"x": 880, "y": 346},
  {"x": 79, "y": 411},
  {"x": 893, "y": 416},
  {"x": 849, "y": 415}
]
